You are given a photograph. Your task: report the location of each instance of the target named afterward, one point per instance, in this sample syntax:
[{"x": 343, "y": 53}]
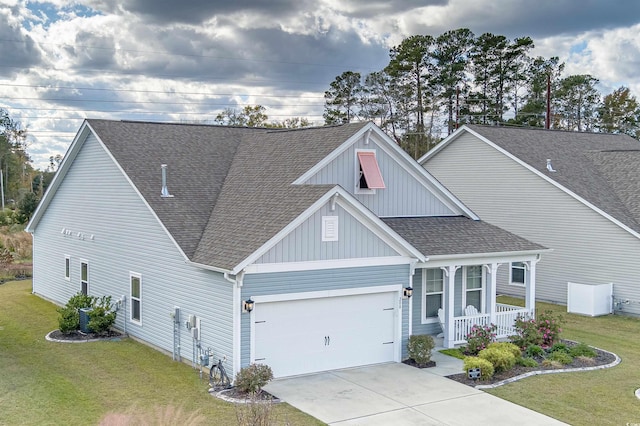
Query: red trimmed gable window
[{"x": 370, "y": 176}]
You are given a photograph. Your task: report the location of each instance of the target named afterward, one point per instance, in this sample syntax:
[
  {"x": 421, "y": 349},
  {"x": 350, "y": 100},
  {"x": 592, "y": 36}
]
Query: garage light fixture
[
  {"x": 407, "y": 292},
  {"x": 248, "y": 305}
]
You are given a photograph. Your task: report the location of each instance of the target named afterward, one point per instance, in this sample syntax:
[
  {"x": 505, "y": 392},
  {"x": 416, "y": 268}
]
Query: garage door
[{"x": 309, "y": 335}]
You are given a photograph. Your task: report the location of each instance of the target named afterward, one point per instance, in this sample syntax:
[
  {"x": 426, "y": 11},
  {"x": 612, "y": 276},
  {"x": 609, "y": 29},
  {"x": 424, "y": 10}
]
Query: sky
[{"x": 162, "y": 60}]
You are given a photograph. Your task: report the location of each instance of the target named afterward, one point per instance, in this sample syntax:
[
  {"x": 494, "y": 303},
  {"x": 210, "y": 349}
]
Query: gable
[
  {"x": 305, "y": 243},
  {"x": 408, "y": 189}
]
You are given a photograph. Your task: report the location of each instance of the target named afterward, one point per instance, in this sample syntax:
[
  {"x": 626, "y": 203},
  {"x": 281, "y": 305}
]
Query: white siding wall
[
  {"x": 305, "y": 242},
  {"x": 403, "y": 195},
  {"x": 96, "y": 199},
  {"x": 588, "y": 248}
]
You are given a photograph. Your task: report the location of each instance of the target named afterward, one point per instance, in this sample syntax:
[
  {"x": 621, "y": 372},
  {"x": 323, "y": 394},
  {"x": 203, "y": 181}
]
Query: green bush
[
  {"x": 527, "y": 362},
  {"x": 582, "y": 350},
  {"x": 543, "y": 331},
  {"x": 501, "y": 358},
  {"x": 561, "y": 357},
  {"x": 533, "y": 351},
  {"x": 69, "y": 319},
  {"x": 79, "y": 301},
  {"x": 101, "y": 318},
  {"x": 251, "y": 379},
  {"x": 510, "y": 347},
  {"x": 559, "y": 347},
  {"x": 486, "y": 368},
  {"x": 419, "y": 348}
]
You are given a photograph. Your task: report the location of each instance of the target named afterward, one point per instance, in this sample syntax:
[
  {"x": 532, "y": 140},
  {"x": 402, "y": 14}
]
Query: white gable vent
[
  {"x": 164, "y": 192},
  {"x": 329, "y": 228}
]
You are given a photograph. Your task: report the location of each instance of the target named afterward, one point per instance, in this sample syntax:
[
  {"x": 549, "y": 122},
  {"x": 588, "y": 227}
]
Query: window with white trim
[
  {"x": 433, "y": 290},
  {"x": 84, "y": 277},
  {"x": 474, "y": 287},
  {"x": 329, "y": 228},
  {"x": 518, "y": 273},
  {"x": 368, "y": 175},
  {"x": 67, "y": 268},
  {"x": 135, "y": 294}
]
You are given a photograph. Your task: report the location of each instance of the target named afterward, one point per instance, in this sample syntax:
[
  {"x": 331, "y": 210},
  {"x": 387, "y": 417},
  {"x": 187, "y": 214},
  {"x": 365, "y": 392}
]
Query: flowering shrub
[
  {"x": 479, "y": 338},
  {"x": 543, "y": 331}
]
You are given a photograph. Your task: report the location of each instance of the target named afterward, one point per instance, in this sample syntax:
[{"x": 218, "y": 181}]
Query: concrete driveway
[{"x": 397, "y": 394}]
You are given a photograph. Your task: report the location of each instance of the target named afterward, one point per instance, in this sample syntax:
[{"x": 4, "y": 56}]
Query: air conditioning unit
[{"x": 84, "y": 319}]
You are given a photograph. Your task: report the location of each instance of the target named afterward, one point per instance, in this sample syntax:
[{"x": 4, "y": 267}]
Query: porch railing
[{"x": 505, "y": 319}]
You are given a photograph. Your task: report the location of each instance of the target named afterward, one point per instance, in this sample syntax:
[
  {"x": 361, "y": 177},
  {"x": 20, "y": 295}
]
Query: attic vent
[
  {"x": 549, "y": 166},
  {"x": 165, "y": 191}
]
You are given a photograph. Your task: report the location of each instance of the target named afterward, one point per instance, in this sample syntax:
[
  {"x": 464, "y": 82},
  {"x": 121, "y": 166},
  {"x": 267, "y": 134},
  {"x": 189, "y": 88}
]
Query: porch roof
[{"x": 451, "y": 235}]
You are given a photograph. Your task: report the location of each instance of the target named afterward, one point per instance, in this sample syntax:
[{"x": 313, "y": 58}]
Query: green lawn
[
  {"x": 604, "y": 397},
  {"x": 56, "y": 383}
]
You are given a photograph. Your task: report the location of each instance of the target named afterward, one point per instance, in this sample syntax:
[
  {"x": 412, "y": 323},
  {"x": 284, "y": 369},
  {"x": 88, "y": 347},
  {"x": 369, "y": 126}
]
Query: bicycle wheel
[{"x": 215, "y": 379}]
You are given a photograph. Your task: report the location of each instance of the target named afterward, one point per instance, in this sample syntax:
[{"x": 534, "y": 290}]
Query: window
[
  {"x": 84, "y": 277},
  {"x": 518, "y": 271},
  {"x": 67, "y": 268},
  {"x": 329, "y": 228},
  {"x": 369, "y": 177},
  {"x": 136, "y": 297},
  {"x": 433, "y": 285},
  {"x": 474, "y": 287}
]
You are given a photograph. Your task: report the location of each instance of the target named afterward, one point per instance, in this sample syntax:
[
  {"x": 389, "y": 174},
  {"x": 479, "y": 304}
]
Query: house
[
  {"x": 307, "y": 250},
  {"x": 576, "y": 193}
]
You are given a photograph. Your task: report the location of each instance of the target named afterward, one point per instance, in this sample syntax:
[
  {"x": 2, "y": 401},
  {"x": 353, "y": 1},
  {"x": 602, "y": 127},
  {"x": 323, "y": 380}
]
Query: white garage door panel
[{"x": 302, "y": 336}]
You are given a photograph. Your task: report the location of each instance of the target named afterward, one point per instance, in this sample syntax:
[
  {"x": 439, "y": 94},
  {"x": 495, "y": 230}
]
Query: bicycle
[{"x": 218, "y": 378}]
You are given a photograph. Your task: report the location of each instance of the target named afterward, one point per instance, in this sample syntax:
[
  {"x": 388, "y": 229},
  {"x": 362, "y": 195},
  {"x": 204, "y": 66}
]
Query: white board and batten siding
[
  {"x": 341, "y": 304},
  {"x": 404, "y": 195},
  {"x": 587, "y": 247},
  {"x": 121, "y": 236}
]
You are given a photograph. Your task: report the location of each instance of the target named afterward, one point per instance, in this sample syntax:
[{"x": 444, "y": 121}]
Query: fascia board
[
  {"x": 481, "y": 258},
  {"x": 353, "y": 207}
]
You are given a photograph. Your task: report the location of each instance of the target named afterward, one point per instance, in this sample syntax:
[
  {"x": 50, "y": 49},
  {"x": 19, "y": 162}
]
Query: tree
[
  {"x": 15, "y": 164},
  {"x": 342, "y": 98},
  {"x": 620, "y": 113},
  {"x": 290, "y": 123},
  {"x": 249, "y": 116},
  {"x": 26, "y": 206},
  {"x": 539, "y": 71},
  {"x": 575, "y": 103}
]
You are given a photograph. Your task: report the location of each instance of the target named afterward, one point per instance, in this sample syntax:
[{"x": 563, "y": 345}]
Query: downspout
[
  {"x": 237, "y": 282},
  {"x": 412, "y": 271}
]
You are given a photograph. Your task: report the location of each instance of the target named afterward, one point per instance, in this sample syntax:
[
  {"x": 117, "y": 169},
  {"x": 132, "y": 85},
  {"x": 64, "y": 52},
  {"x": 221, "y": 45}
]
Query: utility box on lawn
[
  {"x": 84, "y": 319},
  {"x": 592, "y": 300}
]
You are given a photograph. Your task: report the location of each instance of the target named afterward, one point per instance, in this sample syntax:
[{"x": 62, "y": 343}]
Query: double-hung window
[
  {"x": 518, "y": 273},
  {"x": 474, "y": 287},
  {"x": 433, "y": 285},
  {"x": 136, "y": 297},
  {"x": 84, "y": 277}
]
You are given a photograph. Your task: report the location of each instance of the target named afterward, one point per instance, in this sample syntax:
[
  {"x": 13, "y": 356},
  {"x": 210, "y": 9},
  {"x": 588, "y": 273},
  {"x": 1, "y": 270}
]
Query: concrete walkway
[{"x": 397, "y": 394}]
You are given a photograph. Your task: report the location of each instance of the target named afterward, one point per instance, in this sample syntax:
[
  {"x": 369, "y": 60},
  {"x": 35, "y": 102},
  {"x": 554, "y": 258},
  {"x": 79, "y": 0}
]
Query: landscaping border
[
  {"x": 99, "y": 339},
  {"x": 561, "y": 370}
]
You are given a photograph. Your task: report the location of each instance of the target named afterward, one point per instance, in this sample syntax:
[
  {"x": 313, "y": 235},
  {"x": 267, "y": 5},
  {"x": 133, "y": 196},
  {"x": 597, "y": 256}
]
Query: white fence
[{"x": 505, "y": 318}]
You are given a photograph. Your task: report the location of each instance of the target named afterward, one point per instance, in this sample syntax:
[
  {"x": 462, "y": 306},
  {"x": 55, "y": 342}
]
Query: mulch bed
[
  {"x": 415, "y": 364},
  {"x": 602, "y": 358},
  {"x": 234, "y": 395},
  {"x": 78, "y": 336}
]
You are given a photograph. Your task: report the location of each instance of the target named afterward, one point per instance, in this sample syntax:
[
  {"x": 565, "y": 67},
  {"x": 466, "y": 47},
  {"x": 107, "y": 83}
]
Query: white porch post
[
  {"x": 449, "y": 296},
  {"x": 492, "y": 284},
  {"x": 530, "y": 282}
]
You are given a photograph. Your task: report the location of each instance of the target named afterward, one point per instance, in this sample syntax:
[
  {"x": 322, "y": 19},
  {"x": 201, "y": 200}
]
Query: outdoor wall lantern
[
  {"x": 407, "y": 292},
  {"x": 248, "y": 305}
]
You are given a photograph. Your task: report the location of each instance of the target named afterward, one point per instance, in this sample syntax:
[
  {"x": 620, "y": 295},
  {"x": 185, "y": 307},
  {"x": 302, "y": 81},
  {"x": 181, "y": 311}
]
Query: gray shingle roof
[
  {"x": 451, "y": 235},
  {"x": 231, "y": 186},
  {"x": 604, "y": 169}
]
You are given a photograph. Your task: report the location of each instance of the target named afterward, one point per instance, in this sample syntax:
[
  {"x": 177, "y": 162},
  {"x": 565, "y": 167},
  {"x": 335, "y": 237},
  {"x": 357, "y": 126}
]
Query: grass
[
  {"x": 55, "y": 383},
  {"x": 604, "y": 397},
  {"x": 454, "y": 352}
]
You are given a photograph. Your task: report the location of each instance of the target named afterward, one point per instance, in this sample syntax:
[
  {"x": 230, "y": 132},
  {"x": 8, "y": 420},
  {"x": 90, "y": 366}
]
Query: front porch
[{"x": 503, "y": 318}]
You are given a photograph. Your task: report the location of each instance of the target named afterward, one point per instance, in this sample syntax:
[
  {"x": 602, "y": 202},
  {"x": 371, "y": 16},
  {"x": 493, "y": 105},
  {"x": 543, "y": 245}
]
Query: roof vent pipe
[
  {"x": 165, "y": 191},
  {"x": 549, "y": 166}
]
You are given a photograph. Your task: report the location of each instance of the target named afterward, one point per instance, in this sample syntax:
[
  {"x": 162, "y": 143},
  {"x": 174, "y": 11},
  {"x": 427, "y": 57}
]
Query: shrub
[
  {"x": 582, "y": 350},
  {"x": 486, "y": 368},
  {"x": 479, "y": 338},
  {"x": 543, "y": 331},
  {"x": 559, "y": 347},
  {"x": 561, "y": 357},
  {"x": 101, "y": 318},
  {"x": 510, "y": 347},
  {"x": 502, "y": 359},
  {"x": 534, "y": 351},
  {"x": 551, "y": 363},
  {"x": 251, "y": 379},
  {"x": 419, "y": 348},
  {"x": 69, "y": 319},
  {"x": 80, "y": 301},
  {"x": 527, "y": 362},
  {"x": 549, "y": 327}
]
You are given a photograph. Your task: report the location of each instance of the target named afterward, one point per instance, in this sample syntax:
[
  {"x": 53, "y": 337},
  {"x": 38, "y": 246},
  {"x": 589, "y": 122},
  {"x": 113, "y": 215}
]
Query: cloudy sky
[{"x": 162, "y": 60}]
